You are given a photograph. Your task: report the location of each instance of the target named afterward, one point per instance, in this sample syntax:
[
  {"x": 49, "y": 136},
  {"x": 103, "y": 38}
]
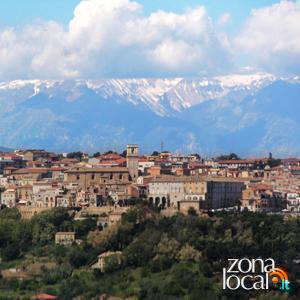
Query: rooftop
[
  {"x": 31, "y": 170},
  {"x": 98, "y": 170},
  {"x": 170, "y": 178},
  {"x": 65, "y": 233},
  {"x": 43, "y": 297}
]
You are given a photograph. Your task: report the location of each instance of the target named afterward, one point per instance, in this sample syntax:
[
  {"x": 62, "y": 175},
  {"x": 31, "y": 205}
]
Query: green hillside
[{"x": 179, "y": 257}]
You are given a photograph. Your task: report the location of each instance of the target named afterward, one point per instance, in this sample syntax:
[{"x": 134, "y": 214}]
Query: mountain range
[{"x": 251, "y": 114}]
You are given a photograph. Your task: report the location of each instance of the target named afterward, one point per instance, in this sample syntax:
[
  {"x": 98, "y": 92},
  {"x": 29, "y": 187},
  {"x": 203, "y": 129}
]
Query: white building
[
  {"x": 9, "y": 197},
  {"x": 3, "y": 181},
  {"x": 212, "y": 193},
  {"x": 293, "y": 202},
  {"x": 47, "y": 198},
  {"x": 143, "y": 165}
]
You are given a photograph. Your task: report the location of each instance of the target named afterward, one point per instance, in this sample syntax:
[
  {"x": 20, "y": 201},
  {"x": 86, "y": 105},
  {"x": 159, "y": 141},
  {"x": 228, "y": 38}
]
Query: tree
[
  {"x": 45, "y": 224},
  {"x": 197, "y": 155},
  {"x": 155, "y": 153},
  {"x": 82, "y": 228},
  {"x": 112, "y": 263},
  {"x": 272, "y": 162},
  {"x": 77, "y": 257},
  {"x": 110, "y": 152},
  {"x": 168, "y": 247},
  {"x": 184, "y": 252},
  {"x": 78, "y": 155},
  {"x": 108, "y": 236},
  {"x": 258, "y": 165},
  {"x": 192, "y": 212},
  {"x": 124, "y": 153},
  {"x": 141, "y": 250},
  {"x": 97, "y": 154},
  {"x": 189, "y": 253},
  {"x": 12, "y": 251},
  {"x": 231, "y": 156},
  {"x": 10, "y": 213}
]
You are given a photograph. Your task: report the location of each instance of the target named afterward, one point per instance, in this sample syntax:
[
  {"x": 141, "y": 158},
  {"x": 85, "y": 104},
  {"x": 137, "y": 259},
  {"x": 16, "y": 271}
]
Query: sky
[
  {"x": 147, "y": 38},
  {"x": 14, "y": 12}
]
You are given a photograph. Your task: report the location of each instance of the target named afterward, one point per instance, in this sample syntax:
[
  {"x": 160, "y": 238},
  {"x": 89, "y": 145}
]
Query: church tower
[
  {"x": 267, "y": 173},
  {"x": 133, "y": 161}
]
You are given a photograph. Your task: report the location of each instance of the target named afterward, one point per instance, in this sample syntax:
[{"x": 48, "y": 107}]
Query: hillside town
[{"x": 106, "y": 185}]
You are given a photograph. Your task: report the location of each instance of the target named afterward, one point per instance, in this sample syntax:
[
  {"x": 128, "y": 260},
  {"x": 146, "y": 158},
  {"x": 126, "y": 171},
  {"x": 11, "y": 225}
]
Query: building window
[
  {"x": 93, "y": 176},
  {"x": 77, "y": 177}
]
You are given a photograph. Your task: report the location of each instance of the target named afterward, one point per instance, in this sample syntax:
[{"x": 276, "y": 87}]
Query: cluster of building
[{"x": 34, "y": 180}]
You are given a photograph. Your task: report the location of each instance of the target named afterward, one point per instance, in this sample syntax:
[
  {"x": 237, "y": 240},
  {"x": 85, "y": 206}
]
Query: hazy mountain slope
[
  {"x": 249, "y": 114},
  {"x": 88, "y": 123},
  {"x": 5, "y": 149},
  {"x": 266, "y": 121}
]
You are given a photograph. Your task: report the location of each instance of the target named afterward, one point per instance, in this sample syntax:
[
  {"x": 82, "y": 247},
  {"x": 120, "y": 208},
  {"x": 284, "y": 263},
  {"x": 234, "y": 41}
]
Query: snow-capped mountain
[
  {"x": 188, "y": 114},
  {"x": 162, "y": 96}
]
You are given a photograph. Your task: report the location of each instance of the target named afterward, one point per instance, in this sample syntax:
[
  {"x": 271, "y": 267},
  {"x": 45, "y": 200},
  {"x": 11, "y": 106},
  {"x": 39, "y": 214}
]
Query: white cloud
[
  {"x": 224, "y": 19},
  {"x": 114, "y": 39},
  {"x": 270, "y": 39}
]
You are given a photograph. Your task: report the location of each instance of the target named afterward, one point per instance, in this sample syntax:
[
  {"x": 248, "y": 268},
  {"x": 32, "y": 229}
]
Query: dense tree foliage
[
  {"x": 274, "y": 162},
  {"x": 180, "y": 257},
  {"x": 230, "y": 156},
  {"x": 124, "y": 153},
  {"x": 110, "y": 152},
  {"x": 97, "y": 154},
  {"x": 155, "y": 153},
  {"x": 78, "y": 155}
]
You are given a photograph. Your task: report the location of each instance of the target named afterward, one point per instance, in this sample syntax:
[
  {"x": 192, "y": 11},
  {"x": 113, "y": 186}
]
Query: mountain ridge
[{"x": 207, "y": 115}]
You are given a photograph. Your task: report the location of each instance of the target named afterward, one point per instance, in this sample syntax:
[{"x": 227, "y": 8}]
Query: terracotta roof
[
  {"x": 199, "y": 167},
  {"x": 10, "y": 168},
  {"x": 27, "y": 186},
  {"x": 13, "y": 273},
  {"x": 99, "y": 170},
  {"x": 57, "y": 169},
  {"x": 11, "y": 187},
  {"x": 172, "y": 178},
  {"x": 295, "y": 168},
  {"x": 65, "y": 233},
  {"x": 44, "y": 297},
  {"x": 278, "y": 168},
  {"x": 109, "y": 253},
  {"x": 66, "y": 161},
  {"x": 291, "y": 160},
  {"x": 236, "y": 161},
  {"x": 10, "y": 155},
  {"x": 144, "y": 159},
  {"x": 30, "y": 170},
  {"x": 36, "y": 151},
  {"x": 262, "y": 187},
  {"x": 110, "y": 156},
  {"x": 118, "y": 161}
]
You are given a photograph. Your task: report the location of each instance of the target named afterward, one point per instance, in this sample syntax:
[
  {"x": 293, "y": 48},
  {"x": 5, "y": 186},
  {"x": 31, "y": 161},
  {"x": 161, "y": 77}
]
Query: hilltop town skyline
[
  {"x": 150, "y": 149},
  {"x": 201, "y": 76}
]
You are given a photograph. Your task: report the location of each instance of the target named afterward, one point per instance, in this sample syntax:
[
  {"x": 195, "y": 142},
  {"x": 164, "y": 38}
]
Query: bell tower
[
  {"x": 133, "y": 161},
  {"x": 267, "y": 173}
]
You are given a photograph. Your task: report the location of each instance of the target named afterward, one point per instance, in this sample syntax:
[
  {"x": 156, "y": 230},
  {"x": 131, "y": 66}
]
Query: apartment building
[{"x": 211, "y": 193}]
